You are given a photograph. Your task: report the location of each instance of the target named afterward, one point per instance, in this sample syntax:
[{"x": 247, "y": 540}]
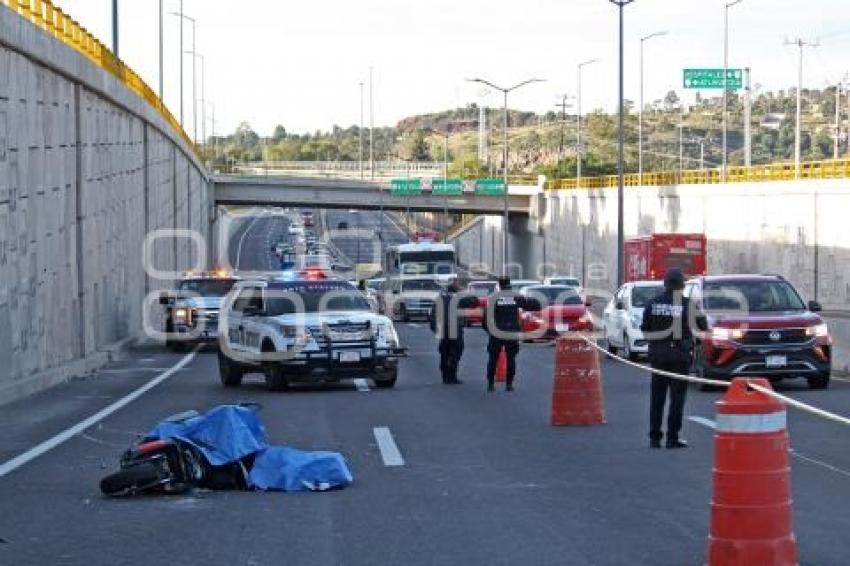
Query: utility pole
[
  {"x": 621, "y": 4},
  {"x": 161, "y": 88},
  {"x": 748, "y": 134},
  {"x": 563, "y": 106},
  {"x": 482, "y": 134},
  {"x": 800, "y": 44},
  {"x": 640, "y": 105},
  {"x": 181, "y": 63},
  {"x": 371, "y": 129},
  {"x": 836, "y": 146},
  {"x": 726, "y": 81},
  {"x": 578, "y": 120},
  {"x": 114, "y": 27},
  {"x": 361, "y": 130}
]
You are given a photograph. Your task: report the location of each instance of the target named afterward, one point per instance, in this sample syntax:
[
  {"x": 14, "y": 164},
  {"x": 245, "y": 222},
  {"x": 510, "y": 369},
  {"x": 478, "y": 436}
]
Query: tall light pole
[
  {"x": 361, "y": 130},
  {"x": 748, "y": 138},
  {"x": 640, "y": 106},
  {"x": 115, "y": 27},
  {"x": 578, "y": 119},
  {"x": 800, "y": 44},
  {"x": 726, "y": 80},
  {"x": 161, "y": 89},
  {"x": 505, "y": 92},
  {"x": 842, "y": 83},
  {"x": 621, "y": 4},
  {"x": 371, "y": 129},
  {"x": 212, "y": 123},
  {"x": 182, "y": 17},
  {"x": 203, "y": 105}
]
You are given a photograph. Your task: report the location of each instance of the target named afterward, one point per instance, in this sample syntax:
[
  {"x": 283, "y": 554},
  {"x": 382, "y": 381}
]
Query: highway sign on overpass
[
  {"x": 405, "y": 187},
  {"x": 712, "y": 78},
  {"x": 447, "y": 187},
  {"x": 490, "y": 187}
]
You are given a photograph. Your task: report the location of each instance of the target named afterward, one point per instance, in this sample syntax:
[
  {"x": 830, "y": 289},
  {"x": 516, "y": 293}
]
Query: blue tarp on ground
[{"x": 229, "y": 433}]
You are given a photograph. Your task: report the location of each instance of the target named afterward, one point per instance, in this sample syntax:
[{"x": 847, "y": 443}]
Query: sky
[{"x": 299, "y": 64}]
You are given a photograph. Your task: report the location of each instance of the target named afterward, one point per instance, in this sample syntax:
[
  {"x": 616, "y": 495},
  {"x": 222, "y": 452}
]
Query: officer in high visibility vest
[{"x": 667, "y": 326}]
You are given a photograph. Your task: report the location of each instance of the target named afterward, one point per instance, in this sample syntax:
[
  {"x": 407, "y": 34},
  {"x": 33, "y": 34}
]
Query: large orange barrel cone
[
  {"x": 502, "y": 367},
  {"x": 751, "y": 508},
  {"x": 577, "y": 388}
]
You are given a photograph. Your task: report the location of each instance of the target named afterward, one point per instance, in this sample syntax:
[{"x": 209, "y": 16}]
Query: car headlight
[
  {"x": 819, "y": 330},
  {"x": 727, "y": 333},
  {"x": 636, "y": 320},
  {"x": 181, "y": 315},
  {"x": 388, "y": 333}
]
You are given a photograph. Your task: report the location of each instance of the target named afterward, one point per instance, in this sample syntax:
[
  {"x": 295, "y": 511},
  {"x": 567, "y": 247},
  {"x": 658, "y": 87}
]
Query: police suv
[
  {"x": 191, "y": 310},
  {"x": 305, "y": 328}
]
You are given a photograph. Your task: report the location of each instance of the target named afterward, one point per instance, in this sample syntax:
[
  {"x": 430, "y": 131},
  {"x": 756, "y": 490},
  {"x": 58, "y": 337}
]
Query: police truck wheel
[
  {"x": 386, "y": 380},
  {"x": 627, "y": 349},
  {"x": 819, "y": 382},
  {"x": 402, "y": 313},
  {"x": 276, "y": 379},
  {"x": 229, "y": 372},
  {"x": 175, "y": 345}
]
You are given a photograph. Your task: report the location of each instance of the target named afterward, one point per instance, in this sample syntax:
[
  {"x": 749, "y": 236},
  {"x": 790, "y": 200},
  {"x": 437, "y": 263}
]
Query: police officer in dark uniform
[
  {"x": 502, "y": 323},
  {"x": 666, "y": 325},
  {"x": 447, "y": 323}
]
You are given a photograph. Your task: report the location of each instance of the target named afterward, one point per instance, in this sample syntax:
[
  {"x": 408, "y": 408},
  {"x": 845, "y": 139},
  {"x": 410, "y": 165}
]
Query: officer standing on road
[
  {"x": 447, "y": 323},
  {"x": 502, "y": 323},
  {"x": 666, "y": 326}
]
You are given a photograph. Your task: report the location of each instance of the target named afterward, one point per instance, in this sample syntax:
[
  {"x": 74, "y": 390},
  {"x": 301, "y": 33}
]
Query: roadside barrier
[
  {"x": 502, "y": 367},
  {"x": 576, "y": 384},
  {"x": 751, "y": 508},
  {"x": 751, "y": 516}
]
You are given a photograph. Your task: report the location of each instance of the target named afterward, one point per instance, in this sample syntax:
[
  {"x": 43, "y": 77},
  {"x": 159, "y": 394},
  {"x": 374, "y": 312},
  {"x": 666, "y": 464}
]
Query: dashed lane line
[
  {"x": 386, "y": 444},
  {"x": 67, "y": 434},
  {"x": 826, "y": 465}
]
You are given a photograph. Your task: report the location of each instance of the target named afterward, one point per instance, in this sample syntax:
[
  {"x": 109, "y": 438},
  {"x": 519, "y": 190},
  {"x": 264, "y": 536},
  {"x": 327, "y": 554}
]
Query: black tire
[
  {"x": 403, "y": 314},
  {"x": 276, "y": 379},
  {"x": 612, "y": 349},
  {"x": 386, "y": 380},
  {"x": 821, "y": 381},
  {"x": 130, "y": 480},
  {"x": 229, "y": 372},
  {"x": 176, "y": 346},
  {"x": 627, "y": 350},
  {"x": 699, "y": 370}
]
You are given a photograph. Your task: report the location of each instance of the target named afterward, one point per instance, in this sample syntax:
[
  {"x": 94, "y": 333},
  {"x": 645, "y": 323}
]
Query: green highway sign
[
  {"x": 713, "y": 78},
  {"x": 447, "y": 187},
  {"x": 490, "y": 187},
  {"x": 405, "y": 187}
]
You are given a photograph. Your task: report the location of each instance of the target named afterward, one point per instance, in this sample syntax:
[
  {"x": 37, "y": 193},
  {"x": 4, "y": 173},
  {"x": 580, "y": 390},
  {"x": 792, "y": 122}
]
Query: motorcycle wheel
[{"x": 130, "y": 481}]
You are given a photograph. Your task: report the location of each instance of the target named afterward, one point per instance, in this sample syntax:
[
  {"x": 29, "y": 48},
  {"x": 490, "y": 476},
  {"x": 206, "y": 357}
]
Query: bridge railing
[{"x": 44, "y": 15}]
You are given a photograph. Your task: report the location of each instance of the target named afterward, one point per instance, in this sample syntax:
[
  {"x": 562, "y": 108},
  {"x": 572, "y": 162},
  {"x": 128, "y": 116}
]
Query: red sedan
[
  {"x": 563, "y": 311},
  {"x": 482, "y": 290}
]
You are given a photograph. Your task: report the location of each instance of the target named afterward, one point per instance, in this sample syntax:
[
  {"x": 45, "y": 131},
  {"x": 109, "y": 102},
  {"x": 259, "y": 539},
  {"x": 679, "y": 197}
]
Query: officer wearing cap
[
  {"x": 502, "y": 323},
  {"x": 666, "y": 325},
  {"x": 447, "y": 323}
]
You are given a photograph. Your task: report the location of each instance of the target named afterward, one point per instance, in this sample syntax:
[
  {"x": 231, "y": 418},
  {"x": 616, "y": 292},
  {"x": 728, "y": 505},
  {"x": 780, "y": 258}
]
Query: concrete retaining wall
[
  {"x": 793, "y": 228},
  {"x": 87, "y": 169}
]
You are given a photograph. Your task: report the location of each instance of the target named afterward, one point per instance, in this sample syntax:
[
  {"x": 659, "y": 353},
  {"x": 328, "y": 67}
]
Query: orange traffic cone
[
  {"x": 751, "y": 515},
  {"x": 502, "y": 367},
  {"x": 577, "y": 388}
]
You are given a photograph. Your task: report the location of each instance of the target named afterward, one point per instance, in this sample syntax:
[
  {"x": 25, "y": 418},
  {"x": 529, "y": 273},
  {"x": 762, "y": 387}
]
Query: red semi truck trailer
[{"x": 649, "y": 257}]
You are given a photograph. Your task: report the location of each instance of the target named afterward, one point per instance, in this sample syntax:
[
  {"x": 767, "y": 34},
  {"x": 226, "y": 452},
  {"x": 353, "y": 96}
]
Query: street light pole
[
  {"x": 182, "y": 17},
  {"x": 203, "y": 105},
  {"x": 621, "y": 4},
  {"x": 800, "y": 44},
  {"x": 161, "y": 89},
  {"x": 371, "y": 129},
  {"x": 505, "y": 92},
  {"x": 115, "y": 27},
  {"x": 640, "y": 106},
  {"x": 578, "y": 120},
  {"x": 361, "y": 131},
  {"x": 726, "y": 80},
  {"x": 180, "y": 14}
]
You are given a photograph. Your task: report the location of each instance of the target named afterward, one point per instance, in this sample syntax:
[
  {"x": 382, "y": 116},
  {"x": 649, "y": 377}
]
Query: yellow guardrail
[
  {"x": 43, "y": 14},
  {"x": 828, "y": 169}
]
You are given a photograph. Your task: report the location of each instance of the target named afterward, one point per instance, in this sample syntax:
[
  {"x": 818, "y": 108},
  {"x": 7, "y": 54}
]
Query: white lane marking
[
  {"x": 242, "y": 238},
  {"x": 361, "y": 384},
  {"x": 69, "y": 433},
  {"x": 712, "y": 425},
  {"x": 844, "y": 379},
  {"x": 389, "y": 451},
  {"x": 415, "y": 324},
  {"x": 704, "y": 422}
]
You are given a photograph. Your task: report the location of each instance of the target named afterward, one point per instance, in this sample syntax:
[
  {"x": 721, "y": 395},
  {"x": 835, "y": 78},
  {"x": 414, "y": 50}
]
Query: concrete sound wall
[
  {"x": 87, "y": 169},
  {"x": 797, "y": 229}
]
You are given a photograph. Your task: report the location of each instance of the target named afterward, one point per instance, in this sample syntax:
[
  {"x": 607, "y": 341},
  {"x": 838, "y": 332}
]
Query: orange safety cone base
[{"x": 577, "y": 398}]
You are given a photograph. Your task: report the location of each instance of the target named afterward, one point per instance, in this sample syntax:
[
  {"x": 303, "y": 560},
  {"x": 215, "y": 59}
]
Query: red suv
[{"x": 759, "y": 326}]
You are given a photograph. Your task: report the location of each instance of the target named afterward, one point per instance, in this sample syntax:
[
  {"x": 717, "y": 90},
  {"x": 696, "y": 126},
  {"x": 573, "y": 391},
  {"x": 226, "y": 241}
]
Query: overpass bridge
[{"x": 257, "y": 190}]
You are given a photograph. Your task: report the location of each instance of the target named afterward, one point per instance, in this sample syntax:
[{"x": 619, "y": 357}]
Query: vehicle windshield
[
  {"x": 482, "y": 289},
  {"x": 751, "y": 296},
  {"x": 207, "y": 287},
  {"x": 315, "y": 298},
  {"x": 417, "y": 268},
  {"x": 642, "y": 295},
  {"x": 561, "y": 295},
  {"x": 520, "y": 285},
  {"x": 420, "y": 285},
  {"x": 566, "y": 281}
]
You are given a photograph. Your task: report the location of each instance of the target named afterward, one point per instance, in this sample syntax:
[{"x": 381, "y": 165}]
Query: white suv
[
  {"x": 310, "y": 328},
  {"x": 623, "y": 314}
]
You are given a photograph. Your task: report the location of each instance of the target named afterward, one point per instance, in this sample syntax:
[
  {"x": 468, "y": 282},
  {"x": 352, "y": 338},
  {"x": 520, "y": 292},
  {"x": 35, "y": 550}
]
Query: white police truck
[
  {"x": 191, "y": 309},
  {"x": 308, "y": 327}
]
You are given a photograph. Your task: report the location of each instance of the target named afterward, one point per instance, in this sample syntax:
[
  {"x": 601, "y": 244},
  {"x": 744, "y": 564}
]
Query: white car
[
  {"x": 520, "y": 284},
  {"x": 305, "y": 329},
  {"x": 563, "y": 280},
  {"x": 408, "y": 297},
  {"x": 623, "y": 314},
  {"x": 296, "y": 230}
]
